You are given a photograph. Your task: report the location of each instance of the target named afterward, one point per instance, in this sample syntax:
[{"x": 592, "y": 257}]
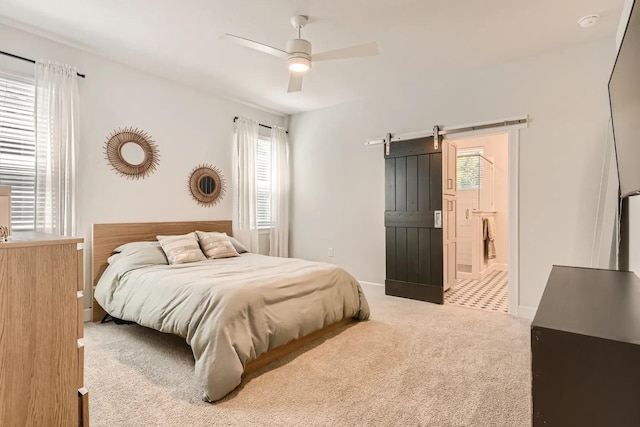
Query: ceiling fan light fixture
[
  {"x": 298, "y": 52},
  {"x": 299, "y": 64}
]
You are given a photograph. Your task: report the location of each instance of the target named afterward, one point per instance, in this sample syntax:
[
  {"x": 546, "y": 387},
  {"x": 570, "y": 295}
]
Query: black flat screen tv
[{"x": 624, "y": 98}]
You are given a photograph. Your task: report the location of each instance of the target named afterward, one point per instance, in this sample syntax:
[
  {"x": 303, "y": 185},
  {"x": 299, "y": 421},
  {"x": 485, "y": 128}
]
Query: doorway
[{"x": 482, "y": 211}]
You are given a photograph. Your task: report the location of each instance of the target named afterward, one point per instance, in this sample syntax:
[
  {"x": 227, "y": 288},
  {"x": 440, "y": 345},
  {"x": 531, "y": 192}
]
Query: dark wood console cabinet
[{"x": 585, "y": 349}]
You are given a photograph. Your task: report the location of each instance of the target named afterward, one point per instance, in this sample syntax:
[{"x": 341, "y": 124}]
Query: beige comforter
[{"x": 231, "y": 310}]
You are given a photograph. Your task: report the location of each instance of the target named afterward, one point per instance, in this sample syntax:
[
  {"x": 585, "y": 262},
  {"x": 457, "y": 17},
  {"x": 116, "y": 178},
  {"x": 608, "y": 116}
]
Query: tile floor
[{"x": 488, "y": 294}]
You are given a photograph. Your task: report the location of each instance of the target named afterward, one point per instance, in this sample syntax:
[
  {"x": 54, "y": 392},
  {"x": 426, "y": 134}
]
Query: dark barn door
[{"x": 413, "y": 195}]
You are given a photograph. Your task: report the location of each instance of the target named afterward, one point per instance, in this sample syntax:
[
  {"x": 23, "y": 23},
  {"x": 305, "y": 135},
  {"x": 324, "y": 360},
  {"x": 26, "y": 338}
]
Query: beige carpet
[{"x": 412, "y": 364}]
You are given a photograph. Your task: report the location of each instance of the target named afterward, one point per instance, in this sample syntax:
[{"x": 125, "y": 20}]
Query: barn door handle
[
  {"x": 449, "y": 184},
  {"x": 437, "y": 219}
]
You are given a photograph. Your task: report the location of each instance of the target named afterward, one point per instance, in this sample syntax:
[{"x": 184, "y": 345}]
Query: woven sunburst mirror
[
  {"x": 207, "y": 185},
  {"x": 123, "y": 149}
]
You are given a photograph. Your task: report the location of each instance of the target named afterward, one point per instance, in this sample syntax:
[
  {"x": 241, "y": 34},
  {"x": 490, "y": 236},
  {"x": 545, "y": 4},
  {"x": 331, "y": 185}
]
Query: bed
[{"x": 237, "y": 314}]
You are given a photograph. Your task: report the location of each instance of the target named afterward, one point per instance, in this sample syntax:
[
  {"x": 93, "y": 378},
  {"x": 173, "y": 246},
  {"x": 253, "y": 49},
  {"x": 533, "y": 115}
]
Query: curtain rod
[
  {"x": 22, "y": 58},
  {"x": 259, "y": 124}
]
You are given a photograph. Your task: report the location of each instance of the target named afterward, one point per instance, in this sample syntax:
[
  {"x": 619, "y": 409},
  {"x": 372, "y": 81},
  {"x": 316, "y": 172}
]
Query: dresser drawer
[
  {"x": 80, "y": 269},
  {"x": 83, "y": 407},
  {"x": 80, "y": 313},
  {"x": 38, "y": 348},
  {"x": 80, "y": 379}
]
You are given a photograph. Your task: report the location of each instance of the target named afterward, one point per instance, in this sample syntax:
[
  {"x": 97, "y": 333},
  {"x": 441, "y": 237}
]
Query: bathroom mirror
[
  {"x": 131, "y": 152},
  {"x": 207, "y": 185}
]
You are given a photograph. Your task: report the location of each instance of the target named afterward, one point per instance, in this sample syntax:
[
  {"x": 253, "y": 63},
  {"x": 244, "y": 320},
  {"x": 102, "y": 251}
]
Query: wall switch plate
[{"x": 330, "y": 252}]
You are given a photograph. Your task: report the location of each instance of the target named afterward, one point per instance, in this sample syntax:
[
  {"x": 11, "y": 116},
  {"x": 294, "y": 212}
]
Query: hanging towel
[{"x": 489, "y": 233}]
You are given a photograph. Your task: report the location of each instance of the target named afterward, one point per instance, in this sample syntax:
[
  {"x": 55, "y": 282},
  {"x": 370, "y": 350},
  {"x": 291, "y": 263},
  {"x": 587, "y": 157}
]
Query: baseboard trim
[
  {"x": 491, "y": 268},
  {"x": 500, "y": 266},
  {"x": 362, "y": 282},
  {"x": 417, "y": 291},
  {"x": 484, "y": 273},
  {"x": 526, "y": 312},
  {"x": 87, "y": 315}
]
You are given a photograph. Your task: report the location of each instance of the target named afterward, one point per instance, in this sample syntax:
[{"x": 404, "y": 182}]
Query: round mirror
[
  {"x": 207, "y": 185},
  {"x": 131, "y": 152}
]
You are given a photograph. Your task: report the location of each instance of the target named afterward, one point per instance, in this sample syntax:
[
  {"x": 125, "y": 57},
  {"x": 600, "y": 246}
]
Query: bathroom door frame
[{"x": 513, "y": 288}]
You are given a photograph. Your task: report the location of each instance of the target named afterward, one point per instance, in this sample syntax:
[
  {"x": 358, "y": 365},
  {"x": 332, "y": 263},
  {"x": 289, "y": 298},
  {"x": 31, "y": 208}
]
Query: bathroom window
[{"x": 468, "y": 168}]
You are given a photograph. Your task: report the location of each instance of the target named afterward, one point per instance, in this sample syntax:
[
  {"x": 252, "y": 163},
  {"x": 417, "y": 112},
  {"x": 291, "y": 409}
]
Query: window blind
[
  {"x": 18, "y": 148},
  {"x": 263, "y": 182},
  {"x": 468, "y": 169}
]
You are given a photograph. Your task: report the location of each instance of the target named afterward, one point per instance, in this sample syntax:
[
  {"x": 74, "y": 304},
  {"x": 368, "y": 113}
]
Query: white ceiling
[{"x": 418, "y": 39}]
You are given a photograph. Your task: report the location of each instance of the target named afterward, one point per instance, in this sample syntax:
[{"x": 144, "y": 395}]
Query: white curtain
[
  {"x": 57, "y": 133},
  {"x": 245, "y": 221},
  {"x": 279, "y": 236}
]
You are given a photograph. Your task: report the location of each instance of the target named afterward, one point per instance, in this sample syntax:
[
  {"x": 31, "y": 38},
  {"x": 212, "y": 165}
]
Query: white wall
[
  {"x": 190, "y": 128},
  {"x": 496, "y": 148},
  {"x": 338, "y": 184},
  {"x": 605, "y": 243}
]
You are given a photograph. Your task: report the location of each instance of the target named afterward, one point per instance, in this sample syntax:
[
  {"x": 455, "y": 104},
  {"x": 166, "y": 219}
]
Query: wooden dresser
[{"x": 41, "y": 330}]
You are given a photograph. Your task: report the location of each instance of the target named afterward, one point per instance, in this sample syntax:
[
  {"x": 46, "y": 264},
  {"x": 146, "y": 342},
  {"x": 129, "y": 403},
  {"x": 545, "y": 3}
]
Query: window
[
  {"x": 263, "y": 182},
  {"x": 18, "y": 148},
  {"x": 468, "y": 169}
]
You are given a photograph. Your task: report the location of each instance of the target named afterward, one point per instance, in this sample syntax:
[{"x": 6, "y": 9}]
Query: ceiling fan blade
[
  {"x": 357, "y": 51},
  {"x": 295, "y": 82},
  {"x": 255, "y": 45}
]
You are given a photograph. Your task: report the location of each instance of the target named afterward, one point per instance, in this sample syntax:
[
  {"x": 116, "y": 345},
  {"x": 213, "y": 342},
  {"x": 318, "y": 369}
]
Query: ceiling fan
[{"x": 298, "y": 53}]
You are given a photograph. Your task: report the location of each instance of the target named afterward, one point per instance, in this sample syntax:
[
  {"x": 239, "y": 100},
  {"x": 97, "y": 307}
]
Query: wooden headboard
[{"x": 107, "y": 237}]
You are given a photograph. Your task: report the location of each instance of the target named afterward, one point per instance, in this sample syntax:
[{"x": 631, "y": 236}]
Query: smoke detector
[{"x": 588, "y": 21}]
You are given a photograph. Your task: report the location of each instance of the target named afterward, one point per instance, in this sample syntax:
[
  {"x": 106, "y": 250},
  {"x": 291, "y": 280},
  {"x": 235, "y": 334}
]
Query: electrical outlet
[{"x": 330, "y": 253}]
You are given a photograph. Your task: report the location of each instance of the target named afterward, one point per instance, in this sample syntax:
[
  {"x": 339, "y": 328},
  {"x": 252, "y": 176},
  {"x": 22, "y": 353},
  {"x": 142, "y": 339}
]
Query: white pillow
[
  {"x": 181, "y": 249},
  {"x": 150, "y": 253},
  {"x": 216, "y": 245},
  {"x": 239, "y": 246}
]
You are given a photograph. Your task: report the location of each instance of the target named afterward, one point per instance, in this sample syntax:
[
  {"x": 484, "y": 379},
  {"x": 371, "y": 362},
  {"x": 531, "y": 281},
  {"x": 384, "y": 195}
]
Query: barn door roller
[{"x": 387, "y": 144}]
